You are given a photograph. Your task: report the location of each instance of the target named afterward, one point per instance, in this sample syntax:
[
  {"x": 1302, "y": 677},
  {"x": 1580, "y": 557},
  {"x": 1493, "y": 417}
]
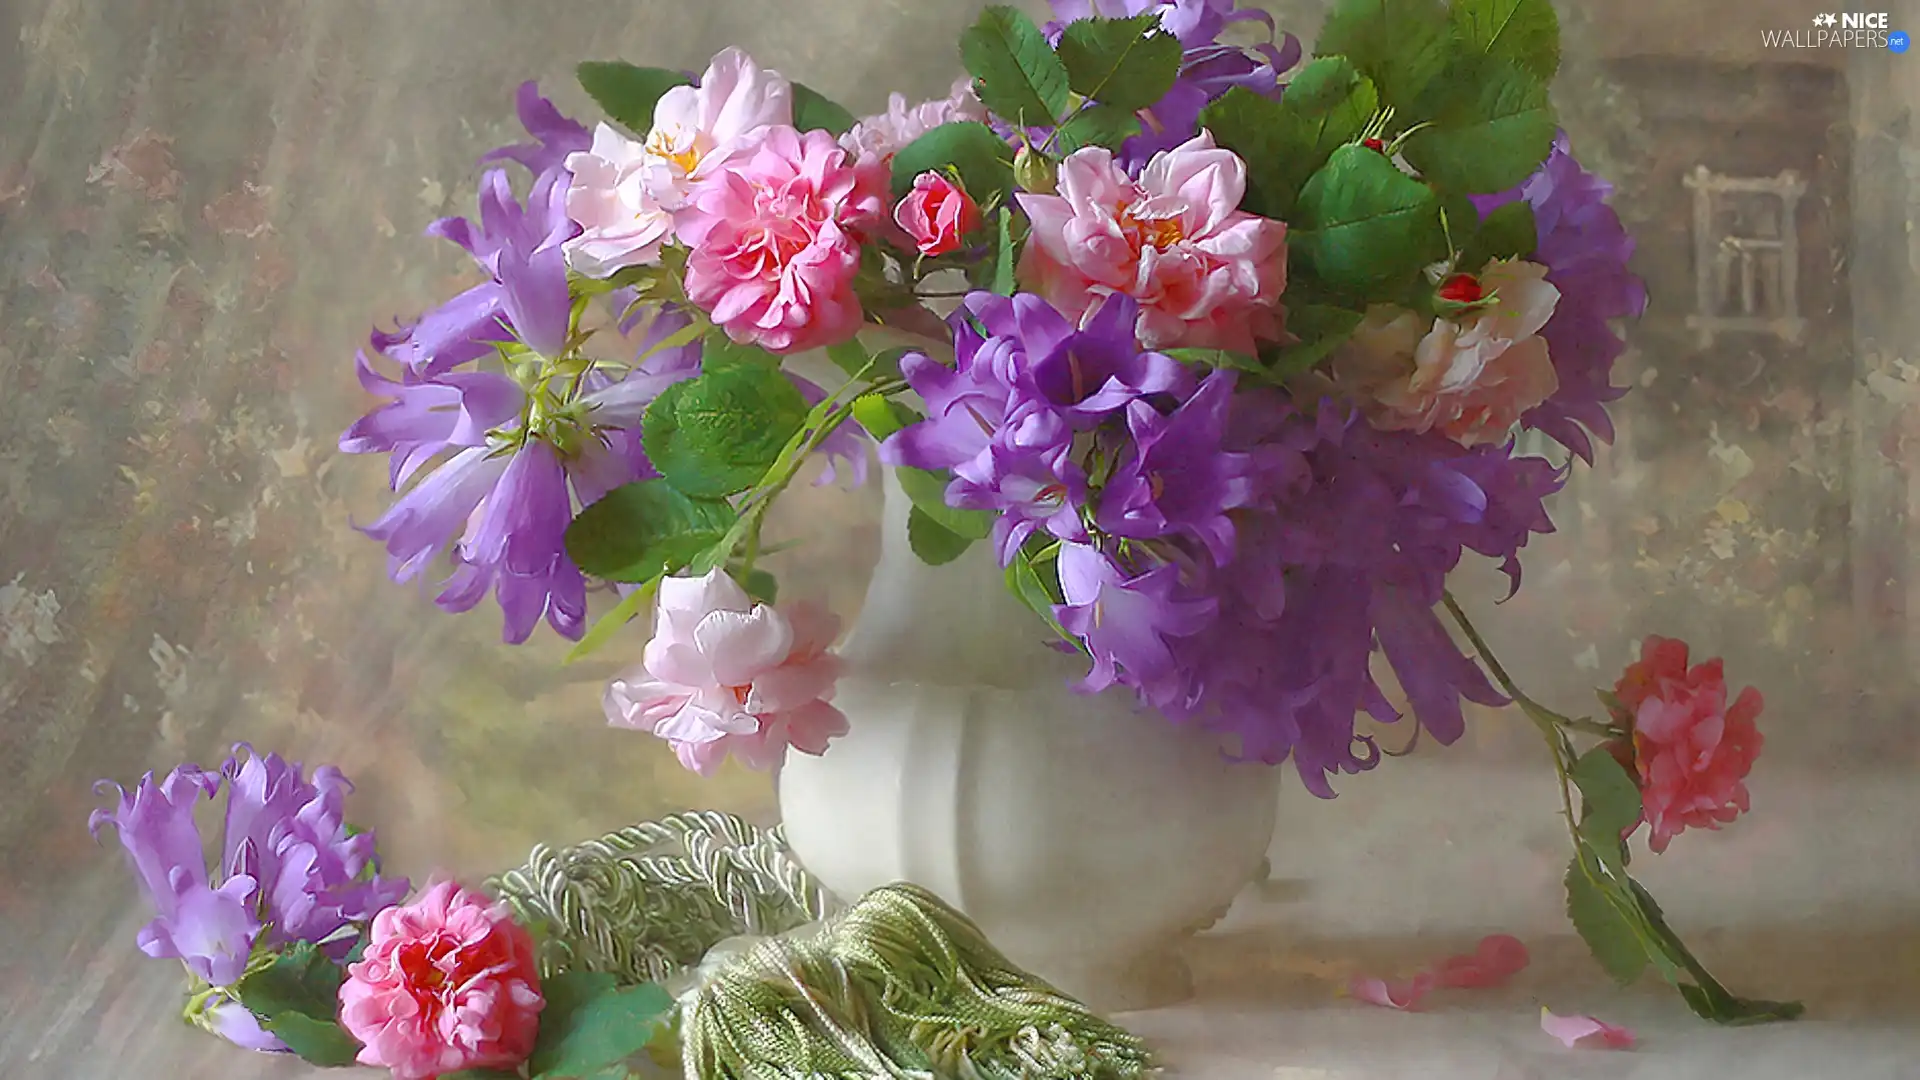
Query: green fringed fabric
[{"x": 899, "y": 986}]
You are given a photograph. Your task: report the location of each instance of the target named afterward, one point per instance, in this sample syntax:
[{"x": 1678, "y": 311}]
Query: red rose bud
[
  {"x": 1461, "y": 289},
  {"x": 937, "y": 214},
  {"x": 1374, "y": 144}
]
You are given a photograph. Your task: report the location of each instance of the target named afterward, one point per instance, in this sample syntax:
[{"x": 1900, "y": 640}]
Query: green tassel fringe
[{"x": 898, "y": 986}]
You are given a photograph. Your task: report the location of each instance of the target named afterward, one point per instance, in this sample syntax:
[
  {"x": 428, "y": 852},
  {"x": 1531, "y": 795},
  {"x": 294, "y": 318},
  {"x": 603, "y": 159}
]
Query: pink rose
[
  {"x": 880, "y": 137},
  {"x": 1693, "y": 752},
  {"x": 695, "y": 128},
  {"x": 448, "y": 982},
  {"x": 615, "y": 197},
  {"x": 1205, "y": 272},
  {"x": 936, "y": 214},
  {"x": 1471, "y": 377},
  {"x": 726, "y": 675}
]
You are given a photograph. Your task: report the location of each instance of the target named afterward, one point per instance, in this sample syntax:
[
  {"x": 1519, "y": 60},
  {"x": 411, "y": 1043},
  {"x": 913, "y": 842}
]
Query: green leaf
[
  {"x": 761, "y": 586},
  {"x": 588, "y": 1024},
  {"x": 606, "y": 626},
  {"x": 1322, "y": 329},
  {"x": 1610, "y": 806},
  {"x": 882, "y": 416},
  {"x": 641, "y": 530},
  {"x": 928, "y": 490},
  {"x": 717, "y": 350},
  {"x": 1402, "y": 45},
  {"x": 983, "y": 160},
  {"x": 1004, "y": 255},
  {"x": 1362, "y": 224},
  {"x": 849, "y": 356},
  {"x": 297, "y": 998},
  {"x": 1220, "y": 358},
  {"x": 1525, "y": 33},
  {"x": 318, "y": 1042},
  {"x": 1490, "y": 131},
  {"x": 1015, "y": 73},
  {"x": 1096, "y": 125},
  {"x": 1327, "y": 105},
  {"x": 1129, "y": 64},
  {"x": 1616, "y": 709},
  {"x": 936, "y": 544},
  {"x": 1609, "y": 935},
  {"x": 1507, "y": 233},
  {"x": 814, "y": 111},
  {"x": 484, "y": 1074},
  {"x": 717, "y": 435},
  {"x": 1034, "y": 579},
  {"x": 627, "y": 93},
  {"x": 1708, "y": 999}
]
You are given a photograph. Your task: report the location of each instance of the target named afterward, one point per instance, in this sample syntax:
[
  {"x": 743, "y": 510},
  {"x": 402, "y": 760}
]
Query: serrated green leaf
[
  {"x": 717, "y": 435},
  {"x": 1129, "y": 64},
  {"x": 1321, "y": 328},
  {"x": 627, "y": 93},
  {"x": 882, "y": 416},
  {"x": 1402, "y": 45},
  {"x": 1034, "y": 580},
  {"x": 849, "y": 356},
  {"x": 1004, "y": 255},
  {"x": 588, "y": 1024},
  {"x": 1490, "y": 131},
  {"x": 1525, "y": 33},
  {"x": 1220, "y": 358},
  {"x": 761, "y": 586},
  {"x": 982, "y": 158},
  {"x": 1362, "y": 224},
  {"x": 1015, "y": 72},
  {"x": 1506, "y": 233},
  {"x": 1611, "y": 805},
  {"x": 607, "y": 626},
  {"x": 1734, "y": 1011},
  {"x": 928, "y": 491},
  {"x": 1327, "y": 105},
  {"x": 934, "y": 543},
  {"x": 318, "y": 1042},
  {"x": 717, "y": 350},
  {"x": 641, "y": 530},
  {"x": 1609, "y": 935},
  {"x": 1706, "y": 997},
  {"x": 814, "y": 111},
  {"x": 1096, "y": 125}
]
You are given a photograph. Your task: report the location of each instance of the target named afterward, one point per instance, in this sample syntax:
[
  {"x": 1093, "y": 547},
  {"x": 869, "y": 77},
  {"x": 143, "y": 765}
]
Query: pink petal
[
  {"x": 1400, "y": 994},
  {"x": 1585, "y": 1031},
  {"x": 1498, "y": 957}
]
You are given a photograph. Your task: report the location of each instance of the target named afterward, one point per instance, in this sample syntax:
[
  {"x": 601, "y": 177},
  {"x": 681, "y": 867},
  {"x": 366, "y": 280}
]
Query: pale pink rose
[
  {"x": 775, "y": 240},
  {"x": 1691, "y": 749},
  {"x": 1205, "y": 272},
  {"x": 881, "y": 136},
  {"x": 614, "y": 197},
  {"x": 936, "y": 214},
  {"x": 448, "y": 982},
  {"x": 1471, "y": 377},
  {"x": 695, "y": 128},
  {"x": 724, "y": 675}
]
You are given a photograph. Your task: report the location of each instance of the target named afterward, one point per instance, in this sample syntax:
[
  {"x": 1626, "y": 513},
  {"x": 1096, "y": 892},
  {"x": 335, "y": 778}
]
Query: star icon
[{"x": 1824, "y": 20}]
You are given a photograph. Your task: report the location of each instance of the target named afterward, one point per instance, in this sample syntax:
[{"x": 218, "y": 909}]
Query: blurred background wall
[{"x": 204, "y": 204}]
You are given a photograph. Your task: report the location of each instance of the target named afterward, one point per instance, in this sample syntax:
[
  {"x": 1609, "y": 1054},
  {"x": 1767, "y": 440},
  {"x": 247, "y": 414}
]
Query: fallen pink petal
[
  {"x": 1585, "y": 1032},
  {"x": 1402, "y": 994},
  {"x": 1498, "y": 957}
]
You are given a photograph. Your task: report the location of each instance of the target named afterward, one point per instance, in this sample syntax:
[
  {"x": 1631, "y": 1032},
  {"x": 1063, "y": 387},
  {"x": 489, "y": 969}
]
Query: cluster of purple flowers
[
  {"x": 290, "y": 870},
  {"x": 1236, "y": 557}
]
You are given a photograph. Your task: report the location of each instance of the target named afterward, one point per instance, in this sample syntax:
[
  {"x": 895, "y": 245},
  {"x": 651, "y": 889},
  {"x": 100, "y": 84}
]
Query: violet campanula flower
[
  {"x": 430, "y": 414},
  {"x": 555, "y": 135},
  {"x": 1125, "y": 620},
  {"x": 1029, "y": 490},
  {"x": 1098, "y": 370},
  {"x": 515, "y": 546},
  {"x": 1585, "y": 249},
  {"x": 1177, "y": 476},
  {"x": 289, "y": 870}
]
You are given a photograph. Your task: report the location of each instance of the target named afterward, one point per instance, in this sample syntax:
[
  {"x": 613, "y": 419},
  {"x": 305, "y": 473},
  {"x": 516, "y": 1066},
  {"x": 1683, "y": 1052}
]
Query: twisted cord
[{"x": 646, "y": 902}]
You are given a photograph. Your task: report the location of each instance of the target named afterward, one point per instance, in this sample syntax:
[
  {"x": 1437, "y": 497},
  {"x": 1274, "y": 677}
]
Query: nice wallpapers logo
[{"x": 1847, "y": 30}]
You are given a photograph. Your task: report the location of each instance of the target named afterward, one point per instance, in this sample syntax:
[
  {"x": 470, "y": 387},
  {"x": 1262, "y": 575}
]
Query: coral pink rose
[
  {"x": 726, "y": 675},
  {"x": 1471, "y": 377},
  {"x": 775, "y": 240},
  {"x": 936, "y": 214},
  {"x": 1692, "y": 750},
  {"x": 1205, "y": 272},
  {"x": 448, "y": 982}
]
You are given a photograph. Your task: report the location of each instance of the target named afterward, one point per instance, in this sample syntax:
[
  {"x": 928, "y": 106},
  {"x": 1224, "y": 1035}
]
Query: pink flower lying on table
[
  {"x": 1692, "y": 749},
  {"x": 448, "y": 982},
  {"x": 1586, "y": 1031},
  {"x": 726, "y": 675},
  {"x": 1496, "y": 959}
]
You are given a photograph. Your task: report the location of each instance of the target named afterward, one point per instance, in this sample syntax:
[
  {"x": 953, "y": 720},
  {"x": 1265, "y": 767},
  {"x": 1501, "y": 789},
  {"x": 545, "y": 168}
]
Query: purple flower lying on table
[{"x": 289, "y": 870}]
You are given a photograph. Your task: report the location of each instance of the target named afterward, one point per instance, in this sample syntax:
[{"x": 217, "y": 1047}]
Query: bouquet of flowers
[{"x": 1222, "y": 349}]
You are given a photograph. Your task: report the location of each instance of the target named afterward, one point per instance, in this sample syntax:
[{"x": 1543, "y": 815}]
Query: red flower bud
[{"x": 936, "y": 214}]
